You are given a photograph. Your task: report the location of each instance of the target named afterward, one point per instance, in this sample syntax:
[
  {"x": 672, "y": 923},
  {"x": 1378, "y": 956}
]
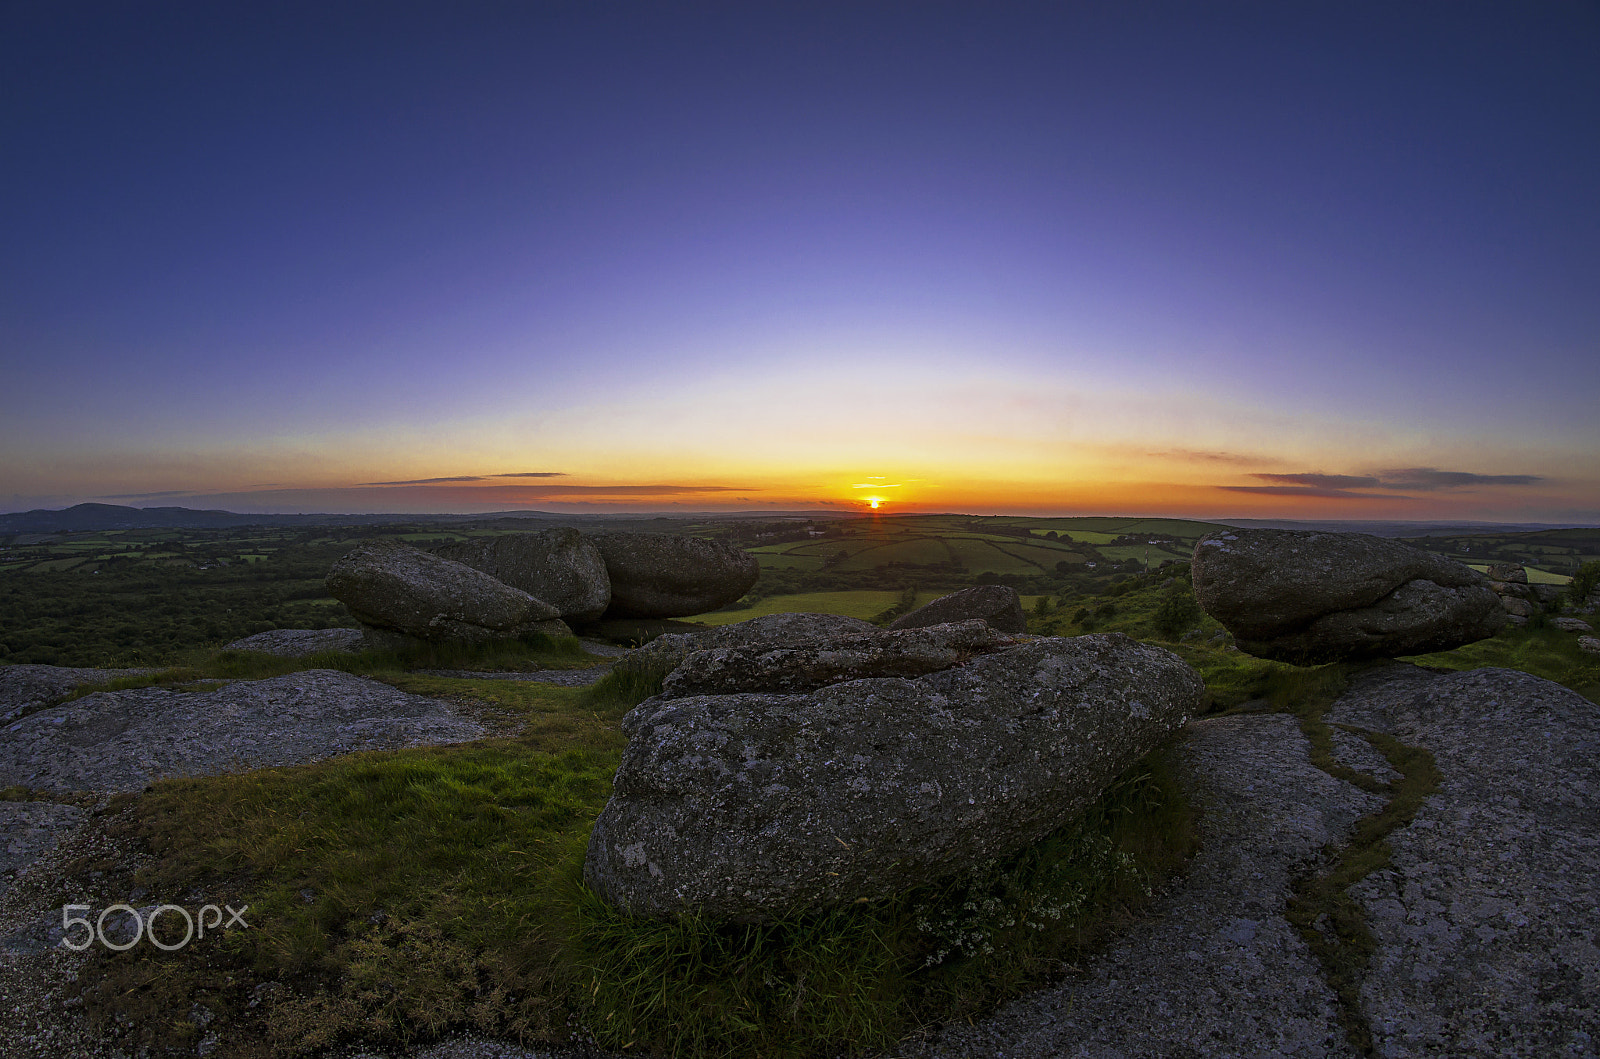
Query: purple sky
[{"x": 1314, "y": 260}]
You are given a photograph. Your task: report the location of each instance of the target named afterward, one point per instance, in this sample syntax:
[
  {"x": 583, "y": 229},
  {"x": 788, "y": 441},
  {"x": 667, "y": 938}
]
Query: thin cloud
[
  {"x": 1321, "y": 481},
  {"x": 1427, "y": 479},
  {"x": 1312, "y": 491},
  {"x": 147, "y": 496},
  {"x": 432, "y": 481},
  {"x": 1208, "y": 457},
  {"x": 635, "y": 490},
  {"x": 474, "y": 478}
]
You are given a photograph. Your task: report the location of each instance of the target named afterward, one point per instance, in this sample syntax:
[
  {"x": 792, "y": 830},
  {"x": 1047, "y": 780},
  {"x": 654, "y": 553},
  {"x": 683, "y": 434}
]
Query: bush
[
  {"x": 1583, "y": 583},
  {"x": 1178, "y": 611}
]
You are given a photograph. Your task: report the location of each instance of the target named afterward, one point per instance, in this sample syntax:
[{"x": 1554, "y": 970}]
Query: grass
[
  {"x": 398, "y": 896},
  {"x": 1538, "y": 648},
  {"x": 393, "y": 895},
  {"x": 534, "y": 652},
  {"x": 863, "y": 604}
]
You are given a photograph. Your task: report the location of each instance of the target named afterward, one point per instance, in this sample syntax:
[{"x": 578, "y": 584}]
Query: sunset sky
[{"x": 1289, "y": 260}]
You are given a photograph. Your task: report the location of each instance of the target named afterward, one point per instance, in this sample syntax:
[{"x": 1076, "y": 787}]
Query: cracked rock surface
[
  {"x": 1217, "y": 971},
  {"x": 1486, "y": 921}
]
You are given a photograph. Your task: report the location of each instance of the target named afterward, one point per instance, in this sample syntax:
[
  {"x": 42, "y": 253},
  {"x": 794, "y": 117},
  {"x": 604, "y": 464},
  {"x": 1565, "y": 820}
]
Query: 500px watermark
[{"x": 144, "y": 925}]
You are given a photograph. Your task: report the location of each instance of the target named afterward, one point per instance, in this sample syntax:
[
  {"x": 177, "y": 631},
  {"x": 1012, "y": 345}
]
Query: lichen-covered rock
[
  {"x": 298, "y": 643},
  {"x": 123, "y": 740},
  {"x": 906, "y": 653},
  {"x": 1314, "y": 597},
  {"x": 27, "y": 687},
  {"x": 1483, "y": 921},
  {"x": 1511, "y": 588},
  {"x": 394, "y": 586},
  {"x": 752, "y": 805},
  {"x": 999, "y": 605},
  {"x": 1519, "y": 607},
  {"x": 664, "y": 653},
  {"x": 1510, "y": 573},
  {"x": 656, "y": 575},
  {"x": 560, "y": 566}
]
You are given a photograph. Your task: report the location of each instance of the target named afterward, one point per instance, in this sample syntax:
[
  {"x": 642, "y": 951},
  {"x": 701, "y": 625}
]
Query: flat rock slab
[
  {"x": 1487, "y": 921},
  {"x": 298, "y": 643},
  {"x": 123, "y": 740},
  {"x": 1218, "y": 972},
  {"x": 27, "y": 687},
  {"x": 763, "y": 667}
]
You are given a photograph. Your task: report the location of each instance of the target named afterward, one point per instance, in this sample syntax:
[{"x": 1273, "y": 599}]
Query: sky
[{"x": 1266, "y": 260}]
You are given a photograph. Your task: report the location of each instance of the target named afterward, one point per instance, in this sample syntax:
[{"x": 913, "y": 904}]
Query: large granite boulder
[
  {"x": 665, "y": 653},
  {"x": 752, "y": 805},
  {"x": 560, "y": 566},
  {"x": 1313, "y": 597},
  {"x": 656, "y": 575},
  {"x": 999, "y": 605},
  {"x": 393, "y": 586},
  {"x": 805, "y": 667}
]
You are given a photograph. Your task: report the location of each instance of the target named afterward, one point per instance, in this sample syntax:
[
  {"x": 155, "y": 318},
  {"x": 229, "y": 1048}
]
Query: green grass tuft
[
  {"x": 535, "y": 651},
  {"x": 627, "y": 686}
]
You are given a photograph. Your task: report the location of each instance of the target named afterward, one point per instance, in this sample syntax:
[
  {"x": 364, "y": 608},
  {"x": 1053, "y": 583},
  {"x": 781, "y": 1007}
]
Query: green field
[
  {"x": 862, "y": 605},
  {"x": 1535, "y": 575}
]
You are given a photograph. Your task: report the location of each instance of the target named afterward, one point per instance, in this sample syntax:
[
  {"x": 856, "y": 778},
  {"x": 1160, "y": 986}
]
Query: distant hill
[{"x": 114, "y": 516}]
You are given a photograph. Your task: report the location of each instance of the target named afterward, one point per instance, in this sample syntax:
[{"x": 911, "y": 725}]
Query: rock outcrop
[
  {"x": 654, "y": 575},
  {"x": 393, "y": 586},
  {"x": 299, "y": 643},
  {"x": 1313, "y": 597},
  {"x": 123, "y": 740},
  {"x": 1484, "y": 921},
  {"x": 562, "y": 567},
  {"x": 664, "y": 653},
  {"x": 906, "y": 653},
  {"x": 999, "y": 605},
  {"x": 24, "y": 688},
  {"x": 1215, "y": 971},
  {"x": 750, "y": 805}
]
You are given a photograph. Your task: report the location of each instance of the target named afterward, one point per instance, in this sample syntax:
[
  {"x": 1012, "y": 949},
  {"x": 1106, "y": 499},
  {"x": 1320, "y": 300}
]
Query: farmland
[{"x": 146, "y": 596}]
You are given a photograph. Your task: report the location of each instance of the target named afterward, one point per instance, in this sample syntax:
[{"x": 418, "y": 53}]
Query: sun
[{"x": 873, "y": 501}]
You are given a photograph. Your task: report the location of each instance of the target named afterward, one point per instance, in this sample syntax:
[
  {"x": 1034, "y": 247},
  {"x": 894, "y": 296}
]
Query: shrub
[
  {"x": 1583, "y": 583},
  {"x": 1178, "y": 611}
]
